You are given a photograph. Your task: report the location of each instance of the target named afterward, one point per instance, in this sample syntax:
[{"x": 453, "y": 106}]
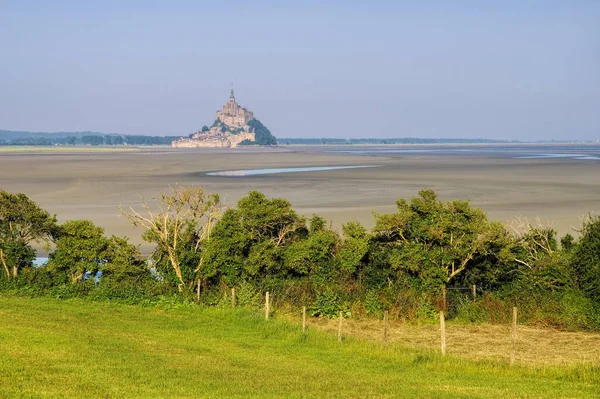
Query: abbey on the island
[{"x": 233, "y": 126}]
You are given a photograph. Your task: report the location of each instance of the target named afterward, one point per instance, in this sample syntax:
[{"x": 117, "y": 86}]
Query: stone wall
[
  {"x": 188, "y": 143},
  {"x": 236, "y": 139},
  {"x": 227, "y": 141}
]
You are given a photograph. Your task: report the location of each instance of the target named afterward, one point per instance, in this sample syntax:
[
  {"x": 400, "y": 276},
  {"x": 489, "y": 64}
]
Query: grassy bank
[{"x": 73, "y": 348}]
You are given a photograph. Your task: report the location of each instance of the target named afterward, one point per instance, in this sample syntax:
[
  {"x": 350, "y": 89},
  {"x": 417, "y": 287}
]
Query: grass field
[
  {"x": 535, "y": 346},
  {"x": 74, "y": 348}
]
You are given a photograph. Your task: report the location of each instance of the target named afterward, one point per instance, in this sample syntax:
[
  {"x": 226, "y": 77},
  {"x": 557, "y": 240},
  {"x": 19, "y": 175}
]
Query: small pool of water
[
  {"x": 39, "y": 261},
  {"x": 571, "y": 156},
  {"x": 254, "y": 172}
]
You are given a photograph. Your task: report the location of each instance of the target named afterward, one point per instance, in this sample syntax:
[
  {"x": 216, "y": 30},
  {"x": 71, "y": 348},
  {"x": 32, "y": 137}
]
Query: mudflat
[{"x": 94, "y": 184}]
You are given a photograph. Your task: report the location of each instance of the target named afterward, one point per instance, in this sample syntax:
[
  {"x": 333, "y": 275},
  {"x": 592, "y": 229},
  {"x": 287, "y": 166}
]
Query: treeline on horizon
[
  {"x": 404, "y": 140},
  {"x": 80, "y": 138},
  {"x": 263, "y": 137},
  {"x": 202, "y": 249}
]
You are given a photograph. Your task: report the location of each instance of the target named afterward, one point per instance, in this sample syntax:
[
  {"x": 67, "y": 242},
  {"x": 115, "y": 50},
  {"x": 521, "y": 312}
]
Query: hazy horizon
[{"x": 510, "y": 71}]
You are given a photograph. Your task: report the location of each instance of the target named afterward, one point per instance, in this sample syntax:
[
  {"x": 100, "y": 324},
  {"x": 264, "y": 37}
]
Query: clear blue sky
[{"x": 526, "y": 70}]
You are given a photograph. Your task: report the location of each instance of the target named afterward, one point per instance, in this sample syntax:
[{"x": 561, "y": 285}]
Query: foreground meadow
[{"x": 75, "y": 348}]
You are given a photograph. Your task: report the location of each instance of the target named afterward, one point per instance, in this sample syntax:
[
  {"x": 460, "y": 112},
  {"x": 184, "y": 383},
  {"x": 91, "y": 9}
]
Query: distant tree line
[
  {"x": 80, "y": 138},
  {"x": 405, "y": 140},
  {"x": 94, "y": 140},
  {"x": 203, "y": 249}
]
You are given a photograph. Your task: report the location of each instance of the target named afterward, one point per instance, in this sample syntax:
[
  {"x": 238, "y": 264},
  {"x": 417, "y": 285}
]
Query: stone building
[
  {"x": 233, "y": 114},
  {"x": 230, "y": 128}
]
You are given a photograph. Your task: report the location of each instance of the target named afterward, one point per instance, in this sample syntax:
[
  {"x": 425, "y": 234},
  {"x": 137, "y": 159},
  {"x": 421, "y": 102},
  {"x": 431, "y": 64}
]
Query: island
[{"x": 234, "y": 126}]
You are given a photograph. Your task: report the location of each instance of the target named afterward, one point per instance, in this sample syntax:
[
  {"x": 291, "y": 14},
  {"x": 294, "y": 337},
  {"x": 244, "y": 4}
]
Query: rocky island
[{"x": 234, "y": 126}]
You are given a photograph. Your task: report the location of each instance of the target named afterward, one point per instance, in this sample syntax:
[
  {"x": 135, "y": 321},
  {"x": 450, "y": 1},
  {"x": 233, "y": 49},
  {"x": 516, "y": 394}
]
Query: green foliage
[
  {"x": 327, "y": 304},
  {"x": 246, "y": 142},
  {"x": 586, "y": 259},
  {"x": 354, "y": 247},
  {"x": 373, "y": 304},
  {"x": 314, "y": 253},
  {"x": 205, "y": 128},
  {"x": 567, "y": 243},
  {"x": 263, "y": 244},
  {"x": 568, "y": 308},
  {"x": 262, "y": 135},
  {"x": 80, "y": 248},
  {"x": 438, "y": 242},
  {"x": 469, "y": 311},
  {"x": 549, "y": 273},
  {"x": 248, "y": 242},
  {"x": 22, "y": 222},
  {"x": 124, "y": 265},
  {"x": 247, "y": 295},
  {"x": 425, "y": 311}
]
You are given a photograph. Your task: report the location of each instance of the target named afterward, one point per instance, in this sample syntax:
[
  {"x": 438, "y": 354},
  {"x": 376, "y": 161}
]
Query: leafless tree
[{"x": 179, "y": 208}]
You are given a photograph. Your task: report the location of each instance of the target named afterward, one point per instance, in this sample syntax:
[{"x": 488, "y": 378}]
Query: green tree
[
  {"x": 432, "y": 240},
  {"x": 586, "y": 259},
  {"x": 354, "y": 247},
  {"x": 80, "y": 248},
  {"x": 22, "y": 222},
  {"x": 567, "y": 243},
  {"x": 124, "y": 264},
  {"x": 262, "y": 135},
  {"x": 248, "y": 242},
  {"x": 315, "y": 253}
]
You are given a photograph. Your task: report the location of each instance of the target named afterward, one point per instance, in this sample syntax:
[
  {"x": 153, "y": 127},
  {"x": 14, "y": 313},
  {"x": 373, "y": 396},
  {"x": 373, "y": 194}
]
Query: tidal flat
[{"x": 505, "y": 181}]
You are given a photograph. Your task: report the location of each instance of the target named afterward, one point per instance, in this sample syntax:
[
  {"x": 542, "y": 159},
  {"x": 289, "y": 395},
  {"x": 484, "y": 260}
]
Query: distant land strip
[{"x": 17, "y": 138}]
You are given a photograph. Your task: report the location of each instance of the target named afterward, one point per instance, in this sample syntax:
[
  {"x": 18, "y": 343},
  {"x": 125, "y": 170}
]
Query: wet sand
[{"x": 93, "y": 185}]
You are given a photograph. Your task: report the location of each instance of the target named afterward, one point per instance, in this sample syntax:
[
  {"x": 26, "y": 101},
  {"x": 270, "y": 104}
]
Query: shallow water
[
  {"x": 589, "y": 152},
  {"x": 571, "y": 156},
  {"x": 39, "y": 261},
  {"x": 255, "y": 172}
]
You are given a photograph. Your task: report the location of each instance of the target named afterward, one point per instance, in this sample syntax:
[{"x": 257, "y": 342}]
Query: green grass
[{"x": 74, "y": 348}]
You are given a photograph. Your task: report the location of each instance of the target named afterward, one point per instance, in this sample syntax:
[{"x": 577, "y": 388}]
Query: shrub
[{"x": 326, "y": 304}]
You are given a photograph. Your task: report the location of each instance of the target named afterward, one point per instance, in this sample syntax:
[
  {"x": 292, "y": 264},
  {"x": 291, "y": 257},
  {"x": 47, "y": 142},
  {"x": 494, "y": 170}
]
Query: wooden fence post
[
  {"x": 233, "y": 297},
  {"x": 385, "y": 326},
  {"x": 303, "y": 319},
  {"x": 443, "y": 332},
  {"x": 198, "y": 291},
  {"x": 513, "y": 349},
  {"x": 340, "y": 327},
  {"x": 474, "y": 292},
  {"x": 444, "y": 304},
  {"x": 267, "y": 306}
]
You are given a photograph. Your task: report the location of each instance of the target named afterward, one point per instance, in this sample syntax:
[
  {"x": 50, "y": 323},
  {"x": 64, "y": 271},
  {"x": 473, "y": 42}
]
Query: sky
[{"x": 515, "y": 70}]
